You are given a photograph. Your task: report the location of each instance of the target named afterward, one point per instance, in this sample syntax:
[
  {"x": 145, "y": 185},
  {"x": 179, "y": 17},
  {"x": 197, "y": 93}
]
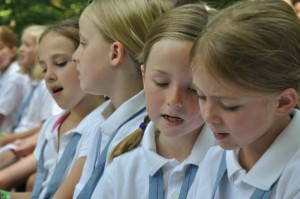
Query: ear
[
  {"x": 143, "y": 71},
  {"x": 286, "y": 101},
  {"x": 117, "y": 53}
]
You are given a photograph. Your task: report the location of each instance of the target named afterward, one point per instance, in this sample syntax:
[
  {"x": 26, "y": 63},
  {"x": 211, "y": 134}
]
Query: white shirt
[
  {"x": 282, "y": 158},
  {"x": 12, "y": 86},
  {"x": 52, "y": 153},
  {"x": 107, "y": 128},
  {"x": 127, "y": 177},
  {"x": 41, "y": 107}
]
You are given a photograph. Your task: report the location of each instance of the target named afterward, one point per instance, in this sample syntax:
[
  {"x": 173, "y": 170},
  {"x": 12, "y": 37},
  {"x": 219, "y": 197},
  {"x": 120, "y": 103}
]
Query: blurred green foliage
[{"x": 18, "y": 14}]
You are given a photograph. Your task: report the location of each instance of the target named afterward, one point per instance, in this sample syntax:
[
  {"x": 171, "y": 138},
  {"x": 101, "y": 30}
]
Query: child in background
[
  {"x": 12, "y": 83},
  {"x": 248, "y": 80},
  {"x": 176, "y": 140},
  {"x": 112, "y": 35},
  {"x": 38, "y": 105},
  {"x": 62, "y": 140},
  {"x": 44, "y": 107}
]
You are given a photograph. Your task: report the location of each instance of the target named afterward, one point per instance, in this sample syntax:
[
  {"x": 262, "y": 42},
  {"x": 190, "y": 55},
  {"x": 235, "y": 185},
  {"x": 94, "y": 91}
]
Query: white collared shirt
[
  {"x": 52, "y": 154},
  {"x": 41, "y": 107},
  {"x": 127, "y": 177},
  {"x": 12, "y": 91},
  {"x": 107, "y": 128},
  {"x": 279, "y": 160}
]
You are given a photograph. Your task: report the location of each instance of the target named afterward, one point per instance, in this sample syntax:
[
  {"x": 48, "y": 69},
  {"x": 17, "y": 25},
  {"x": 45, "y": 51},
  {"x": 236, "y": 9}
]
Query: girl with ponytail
[{"x": 160, "y": 159}]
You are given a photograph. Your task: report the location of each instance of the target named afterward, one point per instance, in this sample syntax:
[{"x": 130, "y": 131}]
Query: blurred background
[{"x": 17, "y": 14}]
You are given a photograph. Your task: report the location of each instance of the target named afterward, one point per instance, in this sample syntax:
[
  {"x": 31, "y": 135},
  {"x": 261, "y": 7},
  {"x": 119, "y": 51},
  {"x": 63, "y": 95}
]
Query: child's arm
[
  {"x": 25, "y": 146},
  {"x": 67, "y": 188},
  {"x": 18, "y": 172},
  {"x": 7, "y": 158},
  {"x": 12, "y": 137},
  {"x": 20, "y": 195}
]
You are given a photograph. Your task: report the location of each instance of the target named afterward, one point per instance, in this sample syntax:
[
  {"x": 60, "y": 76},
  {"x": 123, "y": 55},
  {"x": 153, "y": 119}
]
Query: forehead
[
  {"x": 87, "y": 28},
  {"x": 219, "y": 88},
  {"x": 170, "y": 50},
  {"x": 26, "y": 36},
  {"x": 60, "y": 44}
]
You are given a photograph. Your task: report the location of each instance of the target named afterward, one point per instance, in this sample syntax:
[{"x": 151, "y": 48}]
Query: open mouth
[
  {"x": 56, "y": 90},
  {"x": 172, "y": 119}
]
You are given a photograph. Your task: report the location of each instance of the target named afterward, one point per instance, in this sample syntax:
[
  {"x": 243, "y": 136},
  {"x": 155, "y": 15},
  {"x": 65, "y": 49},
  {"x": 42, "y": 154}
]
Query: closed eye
[
  {"x": 193, "y": 91},
  {"x": 161, "y": 84},
  {"x": 231, "y": 108},
  {"x": 201, "y": 97},
  {"x": 61, "y": 64}
]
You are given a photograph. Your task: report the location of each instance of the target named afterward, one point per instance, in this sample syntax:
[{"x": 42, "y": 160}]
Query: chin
[{"x": 228, "y": 146}]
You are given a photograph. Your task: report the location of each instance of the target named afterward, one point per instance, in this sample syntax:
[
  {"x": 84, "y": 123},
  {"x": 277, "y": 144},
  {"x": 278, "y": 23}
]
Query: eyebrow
[
  {"x": 216, "y": 96},
  {"x": 59, "y": 55}
]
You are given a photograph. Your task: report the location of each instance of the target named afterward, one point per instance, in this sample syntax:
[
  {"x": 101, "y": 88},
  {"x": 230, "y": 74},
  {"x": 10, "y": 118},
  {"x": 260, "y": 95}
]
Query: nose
[
  {"x": 50, "y": 75},
  {"x": 175, "y": 98},
  {"x": 75, "y": 56},
  {"x": 209, "y": 112}
]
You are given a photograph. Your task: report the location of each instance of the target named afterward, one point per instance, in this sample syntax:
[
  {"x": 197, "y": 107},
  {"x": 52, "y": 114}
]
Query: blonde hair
[
  {"x": 68, "y": 28},
  {"x": 254, "y": 45},
  {"x": 131, "y": 141},
  {"x": 182, "y": 23},
  {"x": 35, "y": 31},
  {"x": 125, "y": 21}
]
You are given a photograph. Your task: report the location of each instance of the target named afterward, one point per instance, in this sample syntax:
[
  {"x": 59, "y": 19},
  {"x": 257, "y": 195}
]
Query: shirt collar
[
  {"x": 155, "y": 161},
  {"x": 276, "y": 157},
  {"x": 204, "y": 141},
  {"x": 125, "y": 111}
]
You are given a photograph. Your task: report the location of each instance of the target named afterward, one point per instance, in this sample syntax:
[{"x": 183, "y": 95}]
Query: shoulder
[
  {"x": 133, "y": 157},
  {"x": 131, "y": 163},
  {"x": 288, "y": 184}
]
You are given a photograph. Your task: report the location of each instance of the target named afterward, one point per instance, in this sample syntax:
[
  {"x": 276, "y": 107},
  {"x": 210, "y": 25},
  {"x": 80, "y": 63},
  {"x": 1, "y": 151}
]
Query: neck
[
  {"x": 83, "y": 108},
  {"x": 126, "y": 82}
]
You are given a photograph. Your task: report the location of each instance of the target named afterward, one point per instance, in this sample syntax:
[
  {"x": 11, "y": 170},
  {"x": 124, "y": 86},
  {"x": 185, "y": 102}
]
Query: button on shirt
[{"x": 132, "y": 181}]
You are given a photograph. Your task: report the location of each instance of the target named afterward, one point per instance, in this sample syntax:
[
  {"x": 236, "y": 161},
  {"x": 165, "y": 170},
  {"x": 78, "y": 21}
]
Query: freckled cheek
[
  {"x": 153, "y": 104},
  {"x": 152, "y": 108}
]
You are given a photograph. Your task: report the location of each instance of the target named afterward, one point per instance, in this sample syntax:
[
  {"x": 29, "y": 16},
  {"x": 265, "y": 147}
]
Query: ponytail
[{"x": 131, "y": 141}]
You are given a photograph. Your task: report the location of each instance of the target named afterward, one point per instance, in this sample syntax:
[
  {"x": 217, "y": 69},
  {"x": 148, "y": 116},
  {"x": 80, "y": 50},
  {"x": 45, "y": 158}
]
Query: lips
[
  {"x": 172, "y": 119},
  {"x": 220, "y": 136},
  {"x": 56, "y": 90}
]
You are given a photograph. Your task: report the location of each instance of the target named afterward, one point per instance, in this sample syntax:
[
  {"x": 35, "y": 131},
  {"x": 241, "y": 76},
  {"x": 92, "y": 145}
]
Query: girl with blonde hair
[
  {"x": 248, "y": 81},
  {"x": 112, "y": 35},
  {"x": 176, "y": 139}
]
